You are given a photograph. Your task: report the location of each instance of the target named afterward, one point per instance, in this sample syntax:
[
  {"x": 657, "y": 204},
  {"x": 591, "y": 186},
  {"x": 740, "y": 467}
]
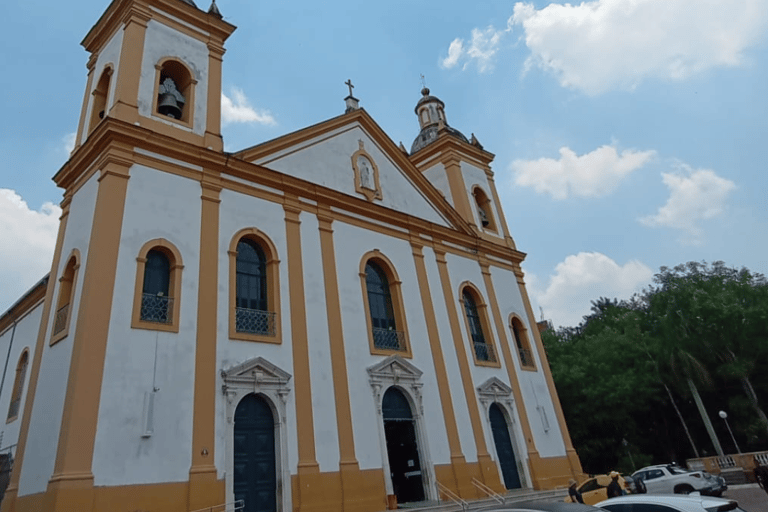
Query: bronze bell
[{"x": 168, "y": 106}]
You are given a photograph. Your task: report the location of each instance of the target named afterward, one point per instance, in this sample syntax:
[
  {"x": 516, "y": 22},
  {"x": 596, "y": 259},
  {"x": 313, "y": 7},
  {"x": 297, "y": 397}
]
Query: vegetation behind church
[{"x": 619, "y": 371}]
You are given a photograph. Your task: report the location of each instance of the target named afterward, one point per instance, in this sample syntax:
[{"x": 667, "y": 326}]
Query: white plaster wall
[
  {"x": 43, "y": 435},
  {"x": 327, "y": 161},
  {"x": 439, "y": 179},
  {"x": 12, "y": 344},
  {"x": 110, "y": 54},
  {"x": 236, "y": 212},
  {"x": 351, "y": 244},
  {"x": 162, "y": 41},
  {"x": 158, "y": 205},
  {"x": 476, "y": 176},
  {"x": 320, "y": 370},
  {"x": 533, "y": 385}
]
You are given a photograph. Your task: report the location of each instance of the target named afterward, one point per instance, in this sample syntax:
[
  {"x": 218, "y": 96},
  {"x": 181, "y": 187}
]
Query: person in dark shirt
[
  {"x": 573, "y": 492},
  {"x": 614, "y": 488}
]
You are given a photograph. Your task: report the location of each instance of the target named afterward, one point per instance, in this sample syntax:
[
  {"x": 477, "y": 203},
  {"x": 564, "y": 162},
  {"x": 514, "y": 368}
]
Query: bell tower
[
  {"x": 157, "y": 64},
  {"x": 460, "y": 168}
]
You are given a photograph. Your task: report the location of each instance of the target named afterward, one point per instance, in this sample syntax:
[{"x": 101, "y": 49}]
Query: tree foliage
[{"x": 619, "y": 371}]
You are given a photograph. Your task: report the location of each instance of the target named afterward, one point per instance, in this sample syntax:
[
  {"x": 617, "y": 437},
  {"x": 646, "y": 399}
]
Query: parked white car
[
  {"x": 668, "y": 478},
  {"x": 668, "y": 503}
]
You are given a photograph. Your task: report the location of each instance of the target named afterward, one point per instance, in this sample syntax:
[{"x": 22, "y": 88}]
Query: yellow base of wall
[{"x": 347, "y": 490}]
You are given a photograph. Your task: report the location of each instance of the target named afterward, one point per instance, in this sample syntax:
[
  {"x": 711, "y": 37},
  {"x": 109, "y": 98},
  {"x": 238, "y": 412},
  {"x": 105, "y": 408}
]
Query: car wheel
[{"x": 683, "y": 489}]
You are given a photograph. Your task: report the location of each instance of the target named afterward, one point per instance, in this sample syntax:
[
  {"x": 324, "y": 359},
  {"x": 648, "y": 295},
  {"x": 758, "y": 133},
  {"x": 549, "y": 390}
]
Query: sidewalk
[{"x": 750, "y": 497}]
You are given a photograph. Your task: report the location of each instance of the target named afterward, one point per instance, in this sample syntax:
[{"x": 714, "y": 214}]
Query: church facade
[{"x": 323, "y": 321}]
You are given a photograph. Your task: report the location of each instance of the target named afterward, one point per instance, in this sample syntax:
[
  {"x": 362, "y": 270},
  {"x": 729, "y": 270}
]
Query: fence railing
[
  {"x": 444, "y": 491},
  {"x": 487, "y": 490},
  {"x": 255, "y": 321},
  {"x": 747, "y": 461},
  {"x": 156, "y": 308},
  {"x": 388, "y": 339},
  {"x": 484, "y": 352},
  {"x": 60, "y": 322},
  {"x": 232, "y": 506}
]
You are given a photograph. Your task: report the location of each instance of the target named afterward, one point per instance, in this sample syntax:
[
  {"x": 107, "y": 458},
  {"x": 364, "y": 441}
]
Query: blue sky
[{"x": 628, "y": 134}]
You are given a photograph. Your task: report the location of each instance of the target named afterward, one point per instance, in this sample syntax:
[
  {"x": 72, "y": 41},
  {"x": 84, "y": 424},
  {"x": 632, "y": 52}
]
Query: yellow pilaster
[{"x": 129, "y": 72}]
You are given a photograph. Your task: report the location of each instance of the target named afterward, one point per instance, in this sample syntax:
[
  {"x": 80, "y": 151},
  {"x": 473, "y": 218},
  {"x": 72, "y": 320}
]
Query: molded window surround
[
  {"x": 383, "y": 304},
  {"x": 478, "y": 326},
  {"x": 484, "y": 209},
  {"x": 170, "y": 67},
  {"x": 254, "y": 288},
  {"x": 157, "y": 293},
  {"x": 522, "y": 343},
  {"x": 67, "y": 284},
  {"x": 18, "y": 386}
]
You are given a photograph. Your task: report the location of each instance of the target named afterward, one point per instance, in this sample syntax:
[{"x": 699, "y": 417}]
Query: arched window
[
  {"x": 158, "y": 287},
  {"x": 252, "y": 304},
  {"x": 383, "y": 300},
  {"x": 484, "y": 209},
  {"x": 66, "y": 296},
  {"x": 477, "y": 325},
  {"x": 100, "y": 95},
  {"x": 175, "y": 92},
  {"x": 18, "y": 385},
  {"x": 520, "y": 333}
]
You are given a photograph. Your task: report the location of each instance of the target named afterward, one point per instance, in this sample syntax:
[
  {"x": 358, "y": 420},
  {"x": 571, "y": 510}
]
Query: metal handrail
[
  {"x": 237, "y": 505},
  {"x": 487, "y": 490},
  {"x": 451, "y": 495}
]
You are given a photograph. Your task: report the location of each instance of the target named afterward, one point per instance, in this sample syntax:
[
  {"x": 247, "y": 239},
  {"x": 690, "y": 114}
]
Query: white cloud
[
  {"x": 695, "y": 195},
  {"x": 69, "y": 142},
  {"x": 239, "y": 110},
  {"x": 29, "y": 238},
  {"x": 593, "y": 174},
  {"x": 481, "y": 49},
  {"x": 615, "y": 44},
  {"x": 582, "y": 278}
]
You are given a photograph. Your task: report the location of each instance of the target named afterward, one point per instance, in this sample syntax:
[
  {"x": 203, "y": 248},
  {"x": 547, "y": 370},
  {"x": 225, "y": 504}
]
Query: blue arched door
[
  {"x": 402, "y": 448},
  {"x": 504, "y": 448},
  {"x": 255, "y": 474}
]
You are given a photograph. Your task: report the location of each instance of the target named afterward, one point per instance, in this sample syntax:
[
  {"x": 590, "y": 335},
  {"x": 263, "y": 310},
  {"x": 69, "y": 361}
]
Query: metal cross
[
  {"x": 348, "y": 83},
  {"x": 423, "y": 81}
]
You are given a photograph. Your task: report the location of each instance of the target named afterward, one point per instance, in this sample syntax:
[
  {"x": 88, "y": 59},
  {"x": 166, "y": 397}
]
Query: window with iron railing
[
  {"x": 60, "y": 321},
  {"x": 155, "y": 302},
  {"x": 156, "y": 308},
  {"x": 389, "y": 339},
  {"x": 483, "y": 351}
]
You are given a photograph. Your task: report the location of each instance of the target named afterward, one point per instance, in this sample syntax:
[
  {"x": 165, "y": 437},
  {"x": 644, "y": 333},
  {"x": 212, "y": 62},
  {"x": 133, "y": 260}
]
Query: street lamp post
[{"x": 724, "y": 415}]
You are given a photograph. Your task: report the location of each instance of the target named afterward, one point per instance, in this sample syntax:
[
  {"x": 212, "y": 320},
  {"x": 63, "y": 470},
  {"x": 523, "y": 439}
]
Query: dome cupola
[{"x": 431, "y": 113}]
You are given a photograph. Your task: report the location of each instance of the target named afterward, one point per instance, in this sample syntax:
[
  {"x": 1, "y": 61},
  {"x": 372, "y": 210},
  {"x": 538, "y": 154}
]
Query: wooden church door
[
  {"x": 255, "y": 472},
  {"x": 504, "y": 449}
]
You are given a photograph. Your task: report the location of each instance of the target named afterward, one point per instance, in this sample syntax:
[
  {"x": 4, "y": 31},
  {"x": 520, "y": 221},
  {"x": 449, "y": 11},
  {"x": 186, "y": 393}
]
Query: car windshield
[{"x": 676, "y": 470}]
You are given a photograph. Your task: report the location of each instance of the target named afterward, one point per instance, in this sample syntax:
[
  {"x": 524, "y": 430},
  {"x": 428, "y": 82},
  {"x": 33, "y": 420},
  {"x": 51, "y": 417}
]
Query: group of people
[{"x": 614, "y": 488}]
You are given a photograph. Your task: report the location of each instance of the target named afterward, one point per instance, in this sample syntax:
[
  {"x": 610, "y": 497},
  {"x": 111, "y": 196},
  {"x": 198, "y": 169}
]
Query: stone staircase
[{"x": 516, "y": 496}]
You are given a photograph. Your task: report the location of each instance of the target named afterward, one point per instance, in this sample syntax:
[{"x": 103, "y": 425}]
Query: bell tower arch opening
[
  {"x": 175, "y": 91},
  {"x": 100, "y": 97}
]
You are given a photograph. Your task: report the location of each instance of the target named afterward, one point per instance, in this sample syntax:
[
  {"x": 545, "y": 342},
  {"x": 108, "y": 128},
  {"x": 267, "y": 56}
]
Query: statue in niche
[{"x": 366, "y": 173}]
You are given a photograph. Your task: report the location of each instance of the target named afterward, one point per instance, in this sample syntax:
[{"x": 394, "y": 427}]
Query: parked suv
[{"x": 668, "y": 478}]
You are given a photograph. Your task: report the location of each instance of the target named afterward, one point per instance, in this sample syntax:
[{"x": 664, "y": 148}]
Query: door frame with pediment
[
  {"x": 496, "y": 391},
  {"x": 259, "y": 376},
  {"x": 396, "y": 371}
]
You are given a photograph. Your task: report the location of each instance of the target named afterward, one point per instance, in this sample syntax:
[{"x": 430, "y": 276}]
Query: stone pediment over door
[
  {"x": 494, "y": 390},
  {"x": 258, "y": 371}
]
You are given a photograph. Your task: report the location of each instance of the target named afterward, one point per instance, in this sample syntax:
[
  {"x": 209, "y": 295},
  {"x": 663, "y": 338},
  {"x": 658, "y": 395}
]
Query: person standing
[
  {"x": 614, "y": 488},
  {"x": 573, "y": 492}
]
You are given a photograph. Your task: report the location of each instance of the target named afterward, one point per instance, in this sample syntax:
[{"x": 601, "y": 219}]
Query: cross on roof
[
  {"x": 348, "y": 83},
  {"x": 423, "y": 81}
]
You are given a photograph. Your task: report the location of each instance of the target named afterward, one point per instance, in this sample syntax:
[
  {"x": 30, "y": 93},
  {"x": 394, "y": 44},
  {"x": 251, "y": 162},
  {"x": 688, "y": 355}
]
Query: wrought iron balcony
[
  {"x": 60, "y": 322},
  {"x": 485, "y": 352},
  {"x": 388, "y": 339},
  {"x": 526, "y": 357},
  {"x": 255, "y": 321},
  {"x": 156, "y": 308}
]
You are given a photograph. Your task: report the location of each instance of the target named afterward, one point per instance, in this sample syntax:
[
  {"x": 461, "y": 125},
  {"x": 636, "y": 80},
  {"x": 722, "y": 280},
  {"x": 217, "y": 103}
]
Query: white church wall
[
  {"x": 45, "y": 423},
  {"x": 351, "y": 244},
  {"x": 533, "y": 385},
  {"x": 326, "y": 161},
  {"x": 109, "y": 55},
  {"x": 192, "y": 52},
  {"x": 439, "y": 178},
  {"x": 13, "y": 341},
  {"x": 158, "y": 205},
  {"x": 320, "y": 369},
  {"x": 236, "y": 212}
]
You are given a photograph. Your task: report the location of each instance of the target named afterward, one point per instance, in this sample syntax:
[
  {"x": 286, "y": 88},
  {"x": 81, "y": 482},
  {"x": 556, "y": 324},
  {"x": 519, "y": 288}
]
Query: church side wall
[
  {"x": 45, "y": 422},
  {"x": 12, "y": 343},
  {"x": 158, "y": 205},
  {"x": 192, "y": 52}
]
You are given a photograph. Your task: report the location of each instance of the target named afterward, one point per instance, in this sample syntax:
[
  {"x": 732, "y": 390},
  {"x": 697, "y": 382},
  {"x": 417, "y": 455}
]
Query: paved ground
[{"x": 750, "y": 497}]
